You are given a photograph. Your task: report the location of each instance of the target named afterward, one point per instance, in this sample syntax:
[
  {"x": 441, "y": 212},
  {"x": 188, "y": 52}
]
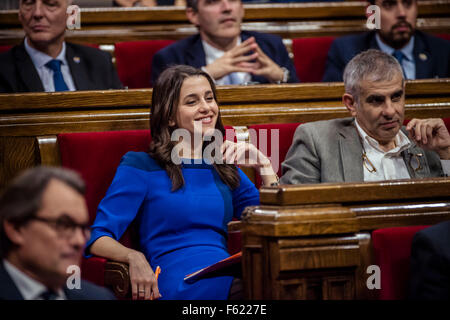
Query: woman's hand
[
  {"x": 245, "y": 154},
  {"x": 144, "y": 285}
]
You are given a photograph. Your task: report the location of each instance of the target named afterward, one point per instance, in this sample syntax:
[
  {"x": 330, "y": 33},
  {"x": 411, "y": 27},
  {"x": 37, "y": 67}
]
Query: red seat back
[
  {"x": 134, "y": 61},
  {"x": 264, "y": 133},
  {"x": 392, "y": 251},
  {"x": 310, "y": 57},
  {"x": 5, "y": 48},
  {"x": 445, "y": 36},
  {"x": 96, "y": 156}
]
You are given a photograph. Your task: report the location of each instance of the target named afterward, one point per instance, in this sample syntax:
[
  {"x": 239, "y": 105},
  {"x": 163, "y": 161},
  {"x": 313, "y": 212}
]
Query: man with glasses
[
  {"x": 421, "y": 55},
  {"x": 44, "y": 225},
  {"x": 372, "y": 145}
]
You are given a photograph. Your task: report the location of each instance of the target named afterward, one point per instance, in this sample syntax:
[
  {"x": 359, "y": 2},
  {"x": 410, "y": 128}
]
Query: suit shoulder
[
  {"x": 90, "y": 291},
  {"x": 178, "y": 46},
  {"x": 433, "y": 42},
  {"x": 140, "y": 160},
  {"x": 89, "y": 52}
]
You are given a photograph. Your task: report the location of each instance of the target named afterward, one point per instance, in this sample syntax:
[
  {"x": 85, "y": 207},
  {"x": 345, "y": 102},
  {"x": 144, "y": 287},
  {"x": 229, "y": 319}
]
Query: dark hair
[
  {"x": 22, "y": 198},
  {"x": 192, "y": 4},
  {"x": 165, "y": 99}
]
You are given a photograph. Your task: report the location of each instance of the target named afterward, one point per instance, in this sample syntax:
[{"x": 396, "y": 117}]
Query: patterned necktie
[{"x": 58, "y": 79}]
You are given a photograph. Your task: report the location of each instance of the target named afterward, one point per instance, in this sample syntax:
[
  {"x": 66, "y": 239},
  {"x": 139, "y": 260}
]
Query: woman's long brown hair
[{"x": 165, "y": 99}]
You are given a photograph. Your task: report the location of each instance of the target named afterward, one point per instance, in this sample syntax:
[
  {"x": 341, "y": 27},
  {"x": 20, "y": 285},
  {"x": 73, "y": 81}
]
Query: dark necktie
[
  {"x": 400, "y": 56},
  {"x": 58, "y": 79},
  {"x": 49, "y": 295}
]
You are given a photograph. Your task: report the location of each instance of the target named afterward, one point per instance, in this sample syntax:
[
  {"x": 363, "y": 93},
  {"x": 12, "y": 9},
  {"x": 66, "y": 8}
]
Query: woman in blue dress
[{"x": 182, "y": 193}]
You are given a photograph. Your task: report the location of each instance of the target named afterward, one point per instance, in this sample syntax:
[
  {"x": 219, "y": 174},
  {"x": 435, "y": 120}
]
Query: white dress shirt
[
  {"x": 212, "y": 54},
  {"x": 389, "y": 165},
  {"x": 408, "y": 63},
  {"x": 46, "y": 74},
  {"x": 28, "y": 287}
]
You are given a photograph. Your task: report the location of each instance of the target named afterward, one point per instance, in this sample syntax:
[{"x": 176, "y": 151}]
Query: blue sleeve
[
  {"x": 120, "y": 205},
  {"x": 245, "y": 195}
]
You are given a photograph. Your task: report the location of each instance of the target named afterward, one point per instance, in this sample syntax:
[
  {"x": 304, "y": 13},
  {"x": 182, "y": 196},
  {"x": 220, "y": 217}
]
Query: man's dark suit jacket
[
  {"x": 88, "y": 291},
  {"x": 430, "y": 263},
  {"x": 91, "y": 69},
  {"x": 436, "y": 51},
  {"x": 189, "y": 51}
]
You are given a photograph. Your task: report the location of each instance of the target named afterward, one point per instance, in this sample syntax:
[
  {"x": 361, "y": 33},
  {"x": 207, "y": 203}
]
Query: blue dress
[{"x": 180, "y": 231}]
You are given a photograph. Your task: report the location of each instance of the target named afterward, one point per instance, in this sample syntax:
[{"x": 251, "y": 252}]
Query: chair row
[
  {"x": 105, "y": 149},
  {"x": 134, "y": 59}
]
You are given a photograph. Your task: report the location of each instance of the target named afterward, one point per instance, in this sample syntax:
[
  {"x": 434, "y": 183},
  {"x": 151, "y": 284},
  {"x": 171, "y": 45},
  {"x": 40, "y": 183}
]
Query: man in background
[
  {"x": 45, "y": 62},
  {"x": 420, "y": 55},
  {"x": 229, "y": 55}
]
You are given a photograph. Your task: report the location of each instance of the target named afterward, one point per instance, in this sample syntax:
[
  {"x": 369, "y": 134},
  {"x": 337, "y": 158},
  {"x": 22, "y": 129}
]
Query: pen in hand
[{"x": 157, "y": 272}]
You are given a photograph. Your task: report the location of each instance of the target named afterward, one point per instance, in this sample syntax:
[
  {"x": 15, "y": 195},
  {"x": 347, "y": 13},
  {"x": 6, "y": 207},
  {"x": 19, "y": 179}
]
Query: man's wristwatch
[{"x": 285, "y": 76}]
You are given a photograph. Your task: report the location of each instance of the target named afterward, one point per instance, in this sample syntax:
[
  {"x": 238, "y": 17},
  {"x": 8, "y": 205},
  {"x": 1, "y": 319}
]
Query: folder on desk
[{"x": 228, "y": 266}]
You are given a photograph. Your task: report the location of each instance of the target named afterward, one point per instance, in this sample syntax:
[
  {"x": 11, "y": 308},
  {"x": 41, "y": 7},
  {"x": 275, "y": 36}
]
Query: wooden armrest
[{"x": 117, "y": 277}]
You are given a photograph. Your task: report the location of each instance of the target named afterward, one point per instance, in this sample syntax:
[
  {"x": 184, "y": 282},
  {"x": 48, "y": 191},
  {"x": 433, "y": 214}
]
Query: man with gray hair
[
  {"x": 45, "y": 62},
  {"x": 228, "y": 54},
  {"x": 44, "y": 226},
  {"x": 372, "y": 145}
]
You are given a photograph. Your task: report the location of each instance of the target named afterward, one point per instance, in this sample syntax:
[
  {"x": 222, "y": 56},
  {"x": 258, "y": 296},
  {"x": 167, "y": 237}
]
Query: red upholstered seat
[
  {"x": 392, "y": 251},
  {"x": 264, "y": 132},
  {"x": 445, "y": 36},
  {"x": 134, "y": 61},
  {"x": 310, "y": 56},
  {"x": 5, "y": 48},
  {"x": 96, "y": 155}
]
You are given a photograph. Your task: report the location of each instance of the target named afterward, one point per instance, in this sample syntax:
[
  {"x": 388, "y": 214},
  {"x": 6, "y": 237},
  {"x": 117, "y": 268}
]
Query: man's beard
[{"x": 398, "y": 40}]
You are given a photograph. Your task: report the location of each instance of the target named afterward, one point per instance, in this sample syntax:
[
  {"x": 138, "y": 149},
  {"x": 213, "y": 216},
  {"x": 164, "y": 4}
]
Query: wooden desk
[
  {"x": 293, "y": 20},
  {"x": 314, "y": 241}
]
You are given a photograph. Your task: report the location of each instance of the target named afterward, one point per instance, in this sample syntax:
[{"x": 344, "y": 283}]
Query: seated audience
[
  {"x": 45, "y": 62},
  {"x": 181, "y": 198},
  {"x": 229, "y": 55},
  {"x": 372, "y": 145},
  {"x": 430, "y": 263},
  {"x": 43, "y": 230},
  {"x": 420, "y": 55}
]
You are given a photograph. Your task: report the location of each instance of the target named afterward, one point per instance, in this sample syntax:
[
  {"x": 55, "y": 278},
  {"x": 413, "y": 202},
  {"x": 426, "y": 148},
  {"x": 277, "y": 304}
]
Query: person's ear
[
  {"x": 192, "y": 16},
  {"x": 13, "y": 233},
  {"x": 350, "y": 103}
]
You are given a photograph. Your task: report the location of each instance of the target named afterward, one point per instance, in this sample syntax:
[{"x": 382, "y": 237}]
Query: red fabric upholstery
[
  {"x": 443, "y": 36},
  {"x": 392, "y": 250},
  {"x": 286, "y": 133},
  {"x": 96, "y": 155},
  {"x": 310, "y": 56},
  {"x": 5, "y": 48},
  {"x": 134, "y": 61}
]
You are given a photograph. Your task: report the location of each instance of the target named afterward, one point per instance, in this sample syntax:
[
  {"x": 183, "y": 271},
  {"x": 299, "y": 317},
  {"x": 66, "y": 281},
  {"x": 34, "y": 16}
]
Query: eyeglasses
[
  {"x": 65, "y": 226},
  {"x": 367, "y": 163}
]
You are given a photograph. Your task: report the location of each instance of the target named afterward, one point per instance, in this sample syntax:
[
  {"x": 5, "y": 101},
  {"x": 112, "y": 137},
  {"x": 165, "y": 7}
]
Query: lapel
[
  {"x": 351, "y": 153},
  {"x": 27, "y": 72},
  {"x": 8, "y": 290},
  {"x": 195, "y": 54},
  {"x": 78, "y": 69},
  {"x": 422, "y": 58}
]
